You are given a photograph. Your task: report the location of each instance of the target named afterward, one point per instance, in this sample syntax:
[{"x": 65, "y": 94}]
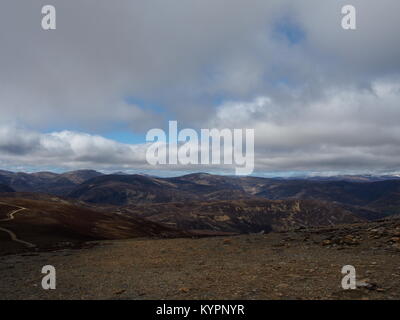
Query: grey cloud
[
  {"x": 332, "y": 97},
  {"x": 102, "y": 51}
]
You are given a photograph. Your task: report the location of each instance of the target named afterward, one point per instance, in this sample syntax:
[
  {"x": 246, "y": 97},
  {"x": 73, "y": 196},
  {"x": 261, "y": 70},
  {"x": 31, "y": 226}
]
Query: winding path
[{"x": 11, "y": 216}]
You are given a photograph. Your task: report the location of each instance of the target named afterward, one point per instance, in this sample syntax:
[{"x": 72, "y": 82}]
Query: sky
[{"x": 321, "y": 99}]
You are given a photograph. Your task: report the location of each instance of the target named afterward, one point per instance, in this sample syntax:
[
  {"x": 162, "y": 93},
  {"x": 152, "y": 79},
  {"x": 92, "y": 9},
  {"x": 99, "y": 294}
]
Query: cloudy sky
[{"x": 320, "y": 98}]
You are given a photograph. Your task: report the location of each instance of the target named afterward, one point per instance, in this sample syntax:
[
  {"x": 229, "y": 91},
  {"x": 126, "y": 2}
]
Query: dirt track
[{"x": 13, "y": 236}]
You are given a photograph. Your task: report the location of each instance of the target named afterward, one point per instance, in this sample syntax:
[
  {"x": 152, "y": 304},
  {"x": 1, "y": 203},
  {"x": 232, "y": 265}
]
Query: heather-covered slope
[
  {"x": 52, "y": 222},
  {"x": 244, "y": 216}
]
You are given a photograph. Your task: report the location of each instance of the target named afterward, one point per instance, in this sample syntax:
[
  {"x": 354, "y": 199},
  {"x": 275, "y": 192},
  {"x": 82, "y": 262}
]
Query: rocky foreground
[{"x": 301, "y": 264}]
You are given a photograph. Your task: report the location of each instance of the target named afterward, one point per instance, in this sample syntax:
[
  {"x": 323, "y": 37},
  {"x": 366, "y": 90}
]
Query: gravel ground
[{"x": 294, "y": 265}]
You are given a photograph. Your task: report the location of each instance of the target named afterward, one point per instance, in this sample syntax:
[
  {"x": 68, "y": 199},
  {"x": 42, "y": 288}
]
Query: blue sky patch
[{"x": 290, "y": 31}]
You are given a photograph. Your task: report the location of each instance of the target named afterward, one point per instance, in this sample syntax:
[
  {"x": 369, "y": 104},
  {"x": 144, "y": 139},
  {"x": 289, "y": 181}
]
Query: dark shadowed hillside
[
  {"x": 5, "y": 188},
  {"x": 340, "y": 191}
]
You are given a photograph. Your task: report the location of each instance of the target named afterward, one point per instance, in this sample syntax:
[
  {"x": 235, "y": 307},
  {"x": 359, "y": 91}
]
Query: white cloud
[
  {"x": 67, "y": 149},
  {"x": 344, "y": 130}
]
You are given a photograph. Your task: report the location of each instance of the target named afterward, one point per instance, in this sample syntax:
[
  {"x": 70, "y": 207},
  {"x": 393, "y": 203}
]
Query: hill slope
[
  {"x": 133, "y": 189},
  {"x": 47, "y": 223},
  {"x": 374, "y": 199},
  {"x": 244, "y": 216}
]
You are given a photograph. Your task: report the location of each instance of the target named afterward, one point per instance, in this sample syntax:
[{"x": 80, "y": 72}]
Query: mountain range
[
  {"x": 87, "y": 204},
  {"x": 379, "y": 197},
  {"x": 46, "y": 182}
]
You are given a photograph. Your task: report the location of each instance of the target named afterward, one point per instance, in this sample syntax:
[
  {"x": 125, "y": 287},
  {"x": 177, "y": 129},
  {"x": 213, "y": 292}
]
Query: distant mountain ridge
[
  {"x": 133, "y": 189},
  {"x": 46, "y": 182},
  {"x": 125, "y": 190},
  {"x": 368, "y": 199}
]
